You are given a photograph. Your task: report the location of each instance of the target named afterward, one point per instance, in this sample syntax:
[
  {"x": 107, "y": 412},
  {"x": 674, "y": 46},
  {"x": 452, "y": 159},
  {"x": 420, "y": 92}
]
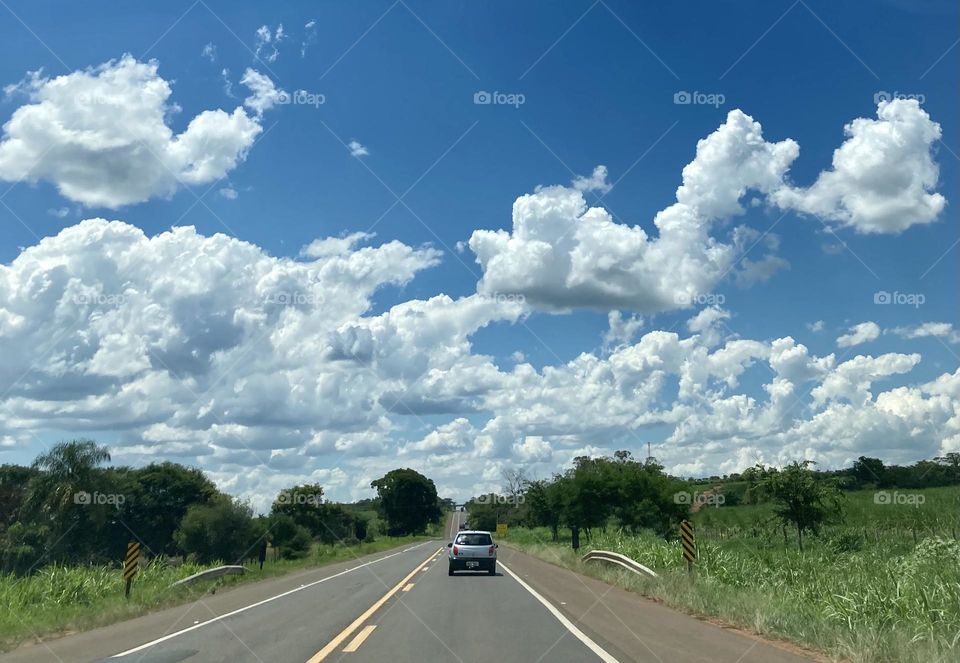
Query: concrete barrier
[
  {"x": 210, "y": 574},
  {"x": 617, "y": 558}
]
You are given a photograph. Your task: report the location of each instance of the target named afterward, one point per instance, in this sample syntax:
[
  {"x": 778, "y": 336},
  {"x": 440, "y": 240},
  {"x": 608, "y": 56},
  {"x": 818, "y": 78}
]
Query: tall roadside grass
[
  {"x": 848, "y": 594},
  {"x": 56, "y": 599}
]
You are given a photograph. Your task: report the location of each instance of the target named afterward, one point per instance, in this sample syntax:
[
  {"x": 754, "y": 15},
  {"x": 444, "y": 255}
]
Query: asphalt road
[{"x": 401, "y": 606}]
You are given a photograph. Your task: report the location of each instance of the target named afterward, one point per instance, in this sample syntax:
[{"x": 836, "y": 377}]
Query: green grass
[
  {"x": 938, "y": 515},
  {"x": 861, "y": 591},
  {"x": 57, "y": 599}
]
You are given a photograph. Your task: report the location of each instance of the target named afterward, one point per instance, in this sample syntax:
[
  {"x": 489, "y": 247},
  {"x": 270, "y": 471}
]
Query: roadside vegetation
[
  {"x": 65, "y": 522},
  {"x": 57, "y": 600},
  {"x": 862, "y": 564}
]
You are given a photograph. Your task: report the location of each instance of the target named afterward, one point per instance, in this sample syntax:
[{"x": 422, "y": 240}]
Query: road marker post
[
  {"x": 130, "y": 565},
  {"x": 688, "y": 545}
]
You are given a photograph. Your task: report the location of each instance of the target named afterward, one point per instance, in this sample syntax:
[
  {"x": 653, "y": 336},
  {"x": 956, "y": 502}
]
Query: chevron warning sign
[
  {"x": 132, "y": 560},
  {"x": 687, "y": 542},
  {"x": 130, "y": 564}
]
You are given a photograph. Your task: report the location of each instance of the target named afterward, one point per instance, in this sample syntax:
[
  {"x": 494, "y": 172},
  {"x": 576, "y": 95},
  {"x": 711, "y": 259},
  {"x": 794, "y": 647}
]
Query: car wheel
[
  {"x": 450, "y": 569},
  {"x": 493, "y": 569}
]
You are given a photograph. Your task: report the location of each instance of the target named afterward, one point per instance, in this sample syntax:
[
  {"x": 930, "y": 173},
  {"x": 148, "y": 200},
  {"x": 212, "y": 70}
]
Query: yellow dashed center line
[
  {"x": 358, "y": 640},
  {"x": 345, "y": 633}
]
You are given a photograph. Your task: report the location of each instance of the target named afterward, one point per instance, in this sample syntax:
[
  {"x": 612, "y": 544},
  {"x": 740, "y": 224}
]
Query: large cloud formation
[
  {"x": 106, "y": 328},
  {"x": 267, "y": 370},
  {"x": 101, "y": 135},
  {"x": 562, "y": 254}
]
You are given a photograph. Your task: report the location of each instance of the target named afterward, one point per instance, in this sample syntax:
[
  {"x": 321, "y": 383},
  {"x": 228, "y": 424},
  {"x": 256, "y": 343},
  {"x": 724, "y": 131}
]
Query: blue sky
[{"x": 598, "y": 83}]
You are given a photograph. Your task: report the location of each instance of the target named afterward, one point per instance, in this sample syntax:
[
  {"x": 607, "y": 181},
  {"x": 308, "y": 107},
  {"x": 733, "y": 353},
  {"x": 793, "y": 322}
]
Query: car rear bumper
[{"x": 482, "y": 563}]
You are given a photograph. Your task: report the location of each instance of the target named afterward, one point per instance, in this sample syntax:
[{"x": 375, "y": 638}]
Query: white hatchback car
[{"x": 472, "y": 550}]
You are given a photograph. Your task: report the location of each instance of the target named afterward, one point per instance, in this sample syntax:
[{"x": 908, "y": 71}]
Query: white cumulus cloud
[
  {"x": 944, "y": 330},
  {"x": 883, "y": 176},
  {"x": 596, "y": 182},
  {"x": 264, "y": 95},
  {"x": 562, "y": 254},
  {"x": 268, "y": 371},
  {"x": 101, "y": 136},
  {"x": 858, "y": 334}
]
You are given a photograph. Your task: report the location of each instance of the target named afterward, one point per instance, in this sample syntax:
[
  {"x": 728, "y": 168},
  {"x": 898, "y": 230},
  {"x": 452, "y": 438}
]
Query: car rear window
[{"x": 474, "y": 540}]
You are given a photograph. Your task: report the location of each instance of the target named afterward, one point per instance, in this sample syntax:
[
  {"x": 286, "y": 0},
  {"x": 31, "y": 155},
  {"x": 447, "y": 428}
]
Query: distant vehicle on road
[
  {"x": 463, "y": 526},
  {"x": 472, "y": 550}
]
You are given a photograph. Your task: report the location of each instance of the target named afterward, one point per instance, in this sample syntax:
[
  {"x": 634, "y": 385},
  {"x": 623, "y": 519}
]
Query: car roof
[{"x": 474, "y": 531}]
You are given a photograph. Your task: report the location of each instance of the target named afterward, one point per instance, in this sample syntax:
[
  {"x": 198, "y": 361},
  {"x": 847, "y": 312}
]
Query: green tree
[
  {"x": 801, "y": 499},
  {"x": 642, "y": 496},
  {"x": 292, "y": 540},
  {"x": 325, "y": 521},
  {"x": 158, "y": 497},
  {"x": 483, "y": 512},
  {"x": 67, "y": 469},
  {"x": 221, "y": 530},
  {"x": 588, "y": 495},
  {"x": 544, "y": 504},
  {"x": 869, "y": 471},
  {"x": 14, "y": 481},
  {"x": 20, "y": 544},
  {"x": 408, "y": 501},
  {"x": 361, "y": 528},
  {"x": 304, "y": 504},
  {"x": 62, "y": 502},
  {"x": 337, "y": 524},
  {"x": 951, "y": 462}
]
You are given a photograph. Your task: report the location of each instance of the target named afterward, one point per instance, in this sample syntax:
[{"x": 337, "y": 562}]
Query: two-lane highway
[
  {"x": 289, "y": 627},
  {"x": 468, "y": 617},
  {"x": 402, "y": 606}
]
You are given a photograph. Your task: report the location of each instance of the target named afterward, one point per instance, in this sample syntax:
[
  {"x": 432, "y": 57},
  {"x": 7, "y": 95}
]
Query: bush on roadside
[{"x": 222, "y": 530}]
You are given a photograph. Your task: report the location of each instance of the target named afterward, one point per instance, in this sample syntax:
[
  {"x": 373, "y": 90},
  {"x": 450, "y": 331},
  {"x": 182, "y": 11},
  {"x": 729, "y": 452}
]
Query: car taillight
[
  {"x": 456, "y": 551},
  {"x": 492, "y": 550}
]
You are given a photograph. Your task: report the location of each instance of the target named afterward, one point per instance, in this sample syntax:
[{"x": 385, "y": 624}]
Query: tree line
[
  {"x": 865, "y": 472},
  {"x": 622, "y": 492},
  {"x": 591, "y": 495},
  {"x": 69, "y": 507}
]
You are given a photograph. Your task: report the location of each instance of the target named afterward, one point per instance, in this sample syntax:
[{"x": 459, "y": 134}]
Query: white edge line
[
  {"x": 259, "y": 603},
  {"x": 580, "y": 635}
]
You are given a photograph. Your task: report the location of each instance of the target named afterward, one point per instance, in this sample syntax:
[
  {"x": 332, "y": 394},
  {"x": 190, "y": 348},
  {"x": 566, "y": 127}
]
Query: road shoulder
[
  {"x": 139, "y": 630},
  {"x": 635, "y": 628}
]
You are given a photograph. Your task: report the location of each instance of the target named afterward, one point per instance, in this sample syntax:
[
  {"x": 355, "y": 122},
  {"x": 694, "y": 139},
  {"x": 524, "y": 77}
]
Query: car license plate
[{"x": 472, "y": 565}]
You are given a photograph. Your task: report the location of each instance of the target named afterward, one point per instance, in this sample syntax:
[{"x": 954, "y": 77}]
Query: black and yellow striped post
[
  {"x": 130, "y": 565},
  {"x": 688, "y": 545}
]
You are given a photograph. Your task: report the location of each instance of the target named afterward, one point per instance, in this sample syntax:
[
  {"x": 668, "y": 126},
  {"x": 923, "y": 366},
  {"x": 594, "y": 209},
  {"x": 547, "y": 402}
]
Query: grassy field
[
  {"x": 895, "y": 517},
  {"x": 861, "y": 591},
  {"x": 57, "y": 600}
]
